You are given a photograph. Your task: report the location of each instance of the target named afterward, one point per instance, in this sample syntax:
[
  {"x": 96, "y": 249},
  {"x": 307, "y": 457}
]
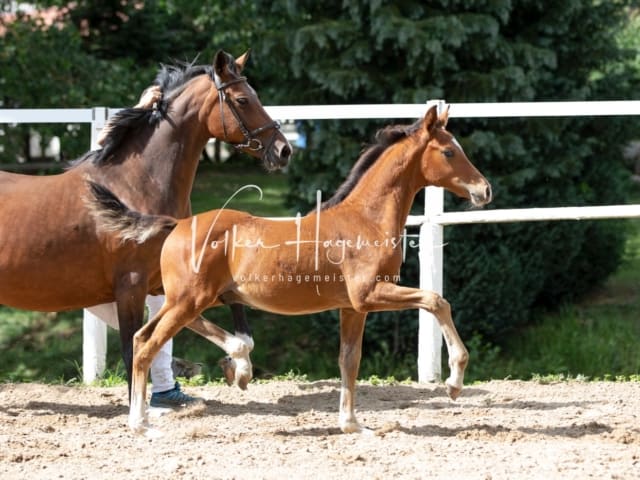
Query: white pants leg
[{"x": 161, "y": 373}]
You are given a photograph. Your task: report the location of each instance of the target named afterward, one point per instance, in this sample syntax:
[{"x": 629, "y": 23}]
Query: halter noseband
[{"x": 252, "y": 143}]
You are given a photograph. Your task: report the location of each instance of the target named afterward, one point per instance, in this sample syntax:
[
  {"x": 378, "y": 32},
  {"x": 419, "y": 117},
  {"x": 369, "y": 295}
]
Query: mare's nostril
[{"x": 285, "y": 153}]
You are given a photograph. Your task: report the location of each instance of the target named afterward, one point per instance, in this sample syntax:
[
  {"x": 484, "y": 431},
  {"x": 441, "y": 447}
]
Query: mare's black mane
[
  {"x": 171, "y": 79},
  {"x": 385, "y": 137}
]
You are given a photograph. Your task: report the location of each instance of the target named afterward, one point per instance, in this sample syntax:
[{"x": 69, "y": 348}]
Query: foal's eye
[
  {"x": 448, "y": 153},
  {"x": 242, "y": 100}
]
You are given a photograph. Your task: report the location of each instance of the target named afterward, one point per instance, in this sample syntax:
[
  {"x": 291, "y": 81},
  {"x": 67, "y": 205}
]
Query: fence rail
[{"x": 431, "y": 223}]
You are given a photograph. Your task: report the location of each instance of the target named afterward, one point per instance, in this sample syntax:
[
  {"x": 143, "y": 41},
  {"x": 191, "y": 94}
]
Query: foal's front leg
[
  {"x": 389, "y": 296},
  {"x": 351, "y": 333}
]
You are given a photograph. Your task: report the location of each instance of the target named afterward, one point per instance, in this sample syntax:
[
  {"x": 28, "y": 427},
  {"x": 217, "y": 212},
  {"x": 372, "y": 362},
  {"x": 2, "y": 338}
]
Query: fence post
[
  {"x": 94, "y": 330},
  {"x": 430, "y": 255}
]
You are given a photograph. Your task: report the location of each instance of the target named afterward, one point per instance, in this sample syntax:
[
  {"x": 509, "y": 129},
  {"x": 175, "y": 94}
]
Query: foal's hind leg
[
  {"x": 388, "y": 296},
  {"x": 237, "y": 366},
  {"x": 240, "y": 368},
  {"x": 146, "y": 344},
  {"x": 351, "y": 333}
]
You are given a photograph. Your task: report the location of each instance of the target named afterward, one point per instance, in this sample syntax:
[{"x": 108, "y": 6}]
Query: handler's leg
[{"x": 165, "y": 391}]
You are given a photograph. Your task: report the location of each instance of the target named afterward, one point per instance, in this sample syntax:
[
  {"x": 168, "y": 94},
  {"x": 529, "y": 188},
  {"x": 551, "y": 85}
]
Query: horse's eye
[
  {"x": 242, "y": 100},
  {"x": 448, "y": 153}
]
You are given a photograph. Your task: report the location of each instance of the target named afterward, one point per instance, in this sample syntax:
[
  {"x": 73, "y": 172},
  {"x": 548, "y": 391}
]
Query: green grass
[{"x": 216, "y": 185}]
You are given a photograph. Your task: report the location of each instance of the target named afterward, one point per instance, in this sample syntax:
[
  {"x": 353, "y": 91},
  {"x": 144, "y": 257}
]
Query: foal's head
[
  {"x": 235, "y": 114},
  {"x": 444, "y": 163}
]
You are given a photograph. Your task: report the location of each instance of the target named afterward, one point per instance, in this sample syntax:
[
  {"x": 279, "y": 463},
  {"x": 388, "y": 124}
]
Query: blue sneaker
[{"x": 173, "y": 398}]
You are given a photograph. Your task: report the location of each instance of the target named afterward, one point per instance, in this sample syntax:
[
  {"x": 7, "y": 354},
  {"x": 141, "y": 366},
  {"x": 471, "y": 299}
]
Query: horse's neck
[
  {"x": 169, "y": 161},
  {"x": 158, "y": 172},
  {"x": 385, "y": 192}
]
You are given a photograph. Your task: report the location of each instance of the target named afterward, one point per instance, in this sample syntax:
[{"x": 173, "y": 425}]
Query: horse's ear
[
  {"x": 242, "y": 60},
  {"x": 444, "y": 117},
  {"x": 220, "y": 62},
  {"x": 431, "y": 120}
]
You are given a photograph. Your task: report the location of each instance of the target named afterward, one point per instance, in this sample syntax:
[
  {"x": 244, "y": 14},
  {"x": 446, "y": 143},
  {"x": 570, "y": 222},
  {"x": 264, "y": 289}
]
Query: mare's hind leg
[
  {"x": 388, "y": 296},
  {"x": 351, "y": 333}
]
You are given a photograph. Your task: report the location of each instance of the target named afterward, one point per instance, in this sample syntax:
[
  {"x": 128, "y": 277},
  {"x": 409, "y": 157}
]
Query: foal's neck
[{"x": 386, "y": 191}]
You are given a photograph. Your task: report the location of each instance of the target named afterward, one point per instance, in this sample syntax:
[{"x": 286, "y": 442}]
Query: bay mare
[
  {"x": 346, "y": 254},
  {"x": 52, "y": 256}
]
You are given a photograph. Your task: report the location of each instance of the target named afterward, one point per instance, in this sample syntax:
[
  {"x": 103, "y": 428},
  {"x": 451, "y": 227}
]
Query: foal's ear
[
  {"x": 242, "y": 60},
  {"x": 221, "y": 62},
  {"x": 444, "y": 117},
  {"x": 431, "y": 120}
]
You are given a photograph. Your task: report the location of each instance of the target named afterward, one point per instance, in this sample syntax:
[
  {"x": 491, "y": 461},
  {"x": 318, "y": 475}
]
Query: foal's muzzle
[{"x": 480, "y": 194}]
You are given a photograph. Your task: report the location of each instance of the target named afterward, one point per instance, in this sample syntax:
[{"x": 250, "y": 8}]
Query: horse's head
[
  {"x": 444, "y": 163},
  {"x": 235, "y": 114}
]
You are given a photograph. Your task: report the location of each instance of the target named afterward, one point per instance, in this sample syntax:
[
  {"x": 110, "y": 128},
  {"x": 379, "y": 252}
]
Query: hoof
[
  {"x": 352, "y": 426},
  {"x": 228, "y": 366},
  {"x": 244, "y": 372},
  {"x": 150, "y": 432},
  {"x": 453, "y": 391},
  {"x": 143, "y": 428},
  {"x": 242, "y": 383}
]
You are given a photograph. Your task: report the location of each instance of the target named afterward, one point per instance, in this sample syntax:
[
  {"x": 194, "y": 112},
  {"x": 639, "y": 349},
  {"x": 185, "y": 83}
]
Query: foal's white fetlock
[
  {"x": 237, "y": 366},
  {"x": 138, "y": 420}
]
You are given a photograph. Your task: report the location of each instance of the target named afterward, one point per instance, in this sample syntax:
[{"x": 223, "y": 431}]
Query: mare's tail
[{"x": 112, "y": 215}]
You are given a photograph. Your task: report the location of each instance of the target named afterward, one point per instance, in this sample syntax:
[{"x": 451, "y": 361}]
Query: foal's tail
[{"x": 112, "y": 215}]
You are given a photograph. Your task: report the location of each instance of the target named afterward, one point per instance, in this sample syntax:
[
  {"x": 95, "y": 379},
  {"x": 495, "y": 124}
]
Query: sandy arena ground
[{"x": 287, "y": 430}]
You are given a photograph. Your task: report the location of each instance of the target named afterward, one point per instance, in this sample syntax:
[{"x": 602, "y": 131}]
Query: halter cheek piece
[{"x": 252, "y": 143}]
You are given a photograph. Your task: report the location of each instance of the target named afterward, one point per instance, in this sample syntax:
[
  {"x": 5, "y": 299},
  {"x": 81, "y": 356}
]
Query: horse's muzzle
[
  {"x": 278, "y": 155},
  {"x": 480, "y": 194}
]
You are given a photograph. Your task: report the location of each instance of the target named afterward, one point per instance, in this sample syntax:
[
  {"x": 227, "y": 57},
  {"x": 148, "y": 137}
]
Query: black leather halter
[{"x": 252, "y": 143}]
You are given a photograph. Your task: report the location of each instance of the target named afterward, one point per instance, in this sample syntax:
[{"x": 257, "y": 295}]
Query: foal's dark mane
[
  {"x": 385, "y": 137},
  {"x": 172, "y": 80}
]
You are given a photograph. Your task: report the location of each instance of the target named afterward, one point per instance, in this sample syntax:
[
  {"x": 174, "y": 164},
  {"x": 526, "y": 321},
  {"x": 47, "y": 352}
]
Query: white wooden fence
[{"x": 431, "y": 223}]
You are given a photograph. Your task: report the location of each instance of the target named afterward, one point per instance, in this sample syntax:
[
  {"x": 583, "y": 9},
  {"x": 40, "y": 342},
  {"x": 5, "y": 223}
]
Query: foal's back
[{"x": 225, "y": 256}]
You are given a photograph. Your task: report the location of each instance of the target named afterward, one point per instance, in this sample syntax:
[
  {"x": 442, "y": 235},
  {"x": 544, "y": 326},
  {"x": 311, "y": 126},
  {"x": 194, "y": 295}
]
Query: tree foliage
[
  {"x": 47, "y": 66},
  {"x": 477, "y": 51}
]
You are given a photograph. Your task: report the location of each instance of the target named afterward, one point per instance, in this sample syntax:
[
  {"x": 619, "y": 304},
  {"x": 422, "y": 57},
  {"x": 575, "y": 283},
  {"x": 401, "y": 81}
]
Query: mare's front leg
[
  {"x": 237, "y": 366},
  {"x": 389, "y": 296},
  {"x": 351, "y": 333}
]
